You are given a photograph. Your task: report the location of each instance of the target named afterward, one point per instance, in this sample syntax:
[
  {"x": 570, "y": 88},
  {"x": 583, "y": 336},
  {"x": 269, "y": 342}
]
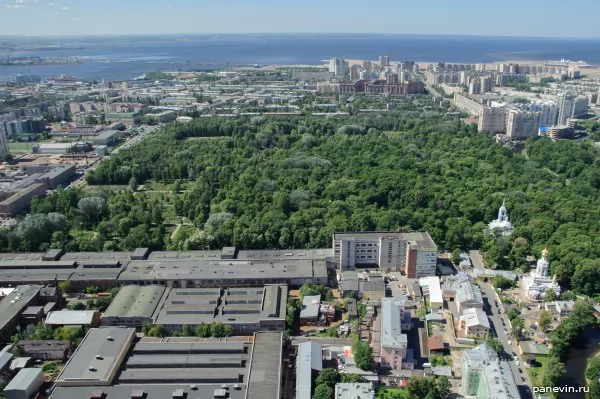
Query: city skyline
[{"x": 65, "y": 18}]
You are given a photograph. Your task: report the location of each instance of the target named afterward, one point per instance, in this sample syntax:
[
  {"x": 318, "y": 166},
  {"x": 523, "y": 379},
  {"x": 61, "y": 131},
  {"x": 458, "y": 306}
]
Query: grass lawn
[
  {"x": 20, "y": 146},
  {"x": 536, "y": 374},
  {"x": 391, "y": 393}
]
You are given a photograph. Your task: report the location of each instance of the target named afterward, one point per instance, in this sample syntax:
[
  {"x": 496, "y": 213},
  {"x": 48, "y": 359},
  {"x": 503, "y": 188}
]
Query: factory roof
[
  {"x": 15, "y": 302},
  {"x": 391, "y": 319},
  {"x": 231, "y": 269},
  {"x": 108, "y": 134},
  {"x": 149, "y": 391},
  {"x": 24, "y": 379},
  {"x": 231, "y": 306},
  {"x": 5, "y": 360},
  {"x": 70, "y": 317},
  {"x": 264, "y": 381},
  {"x": 310, "y": 357},
  {"x": 135, "y": 301},
  {"x": 98, "y": 356},
  {"x": 24, "y": 192}
]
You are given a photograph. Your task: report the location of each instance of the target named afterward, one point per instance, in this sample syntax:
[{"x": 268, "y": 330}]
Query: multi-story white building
[
  {"x": 384, "y": 60},
  {"x": 414, "y": 253},
  {"x": 571, "y": 106},
  {"x": 338, "y": 67}
]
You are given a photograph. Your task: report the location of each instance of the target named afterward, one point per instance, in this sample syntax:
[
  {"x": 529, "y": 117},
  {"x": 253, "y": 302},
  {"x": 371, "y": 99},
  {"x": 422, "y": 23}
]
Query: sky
[{"x": 543, "y": 18}]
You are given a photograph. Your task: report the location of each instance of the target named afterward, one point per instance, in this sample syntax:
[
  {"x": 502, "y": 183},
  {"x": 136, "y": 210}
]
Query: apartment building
[
  {"x": 521, "y": 125},
  {"x": 571, "y": 106},
  {"x": 414, "y": 253}
]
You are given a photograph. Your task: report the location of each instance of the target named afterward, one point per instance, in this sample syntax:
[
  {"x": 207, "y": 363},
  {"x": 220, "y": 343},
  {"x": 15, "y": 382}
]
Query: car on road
[
  {"x": 505, "y": 331},
  {"x": 510, "y": 342},
  {"x": 517, "y": 363}
]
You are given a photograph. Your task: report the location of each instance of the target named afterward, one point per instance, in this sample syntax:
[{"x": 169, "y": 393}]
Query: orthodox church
[
  {"x": 537, "y": 282},
  {"x": 502, "y": 223}
]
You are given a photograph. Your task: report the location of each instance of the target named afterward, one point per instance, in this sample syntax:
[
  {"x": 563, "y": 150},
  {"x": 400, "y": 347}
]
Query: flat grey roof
[
  {"x": 94, "y": 256},
  {"x": 310, "y": 357},
  {"x": 135, "y": 301},
  {"x": 391, "y": 331},
  {"x": 236, "y": 305},
  {"x": 25, "y": 256},
  {"x": 96, "y": 343},
  {"x": 264, "y": 381},
  {"x": 184, "y": 255},
  {"x": 24, "y": 192},
  {"x": 234, "y": 360},
  {"x": 15, "y": 302},
  {"x": 70, "y": 317},
  {"x": 24, "y": 379},
  {"x": 182, "y": 375},
  {"x": 310, "y": 306},
  {"x": 231, "y": 269},
  {"x": 153, "y": 391},
  {"x": 146, "y": 347}
]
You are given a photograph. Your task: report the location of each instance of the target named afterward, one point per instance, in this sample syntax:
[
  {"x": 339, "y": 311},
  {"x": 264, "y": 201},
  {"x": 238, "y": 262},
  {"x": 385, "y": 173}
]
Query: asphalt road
[{"x": 499, "y": 322}]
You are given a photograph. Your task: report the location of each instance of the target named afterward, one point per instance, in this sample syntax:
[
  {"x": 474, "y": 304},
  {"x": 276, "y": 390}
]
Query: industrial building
[
  {"x": 73, "y": 318},
  {"x": 12, "y": 306},
  {"x": 110, "y": 365},
  {"x": 414, "y": 253},
  {"x": 133, "y": 306},
  {"x": 107, "y": 137},
  {"x": 25, "y": 385},
  {"x": 485, "y": 376},
  {"x": 246, "y": 309},
  {"x": 174, "y": 269}
]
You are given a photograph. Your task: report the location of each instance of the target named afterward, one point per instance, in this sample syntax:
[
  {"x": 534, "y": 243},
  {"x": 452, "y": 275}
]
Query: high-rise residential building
[
  {"x": 571, "y": 106},
  {"x": 492, "y": 120},
  {"x": 464, "y": 78},
  {"x": 338, "y": 67},
  {"x": 3, "y": 143},
  {"x": 392, "y": 78},
  {"x": 367, "y": 65},
  {"x": 485, "y": 376},
  {"x": 407, "y": 66},
  {"x": 354, "y": 73},
  {"x": 486, "y": 84},
  {"x": 521, "y": 125},
  {"x": 384, "y": 60},
  {"x": 480, "y": 67},
  {"x": 475, "y": 88}
]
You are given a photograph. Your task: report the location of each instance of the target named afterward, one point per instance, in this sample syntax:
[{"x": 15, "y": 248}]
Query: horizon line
[{"x": 296, "y": 34}]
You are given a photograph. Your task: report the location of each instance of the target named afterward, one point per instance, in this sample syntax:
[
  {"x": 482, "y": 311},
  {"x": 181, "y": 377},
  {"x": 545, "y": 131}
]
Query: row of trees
[{"x": 203, "y": 330}]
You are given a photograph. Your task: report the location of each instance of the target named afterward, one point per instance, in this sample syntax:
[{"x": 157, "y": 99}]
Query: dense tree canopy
[{"x": 270, "y": 182}]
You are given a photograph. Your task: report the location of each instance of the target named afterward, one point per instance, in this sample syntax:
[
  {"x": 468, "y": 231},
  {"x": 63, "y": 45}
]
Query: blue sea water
[{"x": 133, "y": 56}]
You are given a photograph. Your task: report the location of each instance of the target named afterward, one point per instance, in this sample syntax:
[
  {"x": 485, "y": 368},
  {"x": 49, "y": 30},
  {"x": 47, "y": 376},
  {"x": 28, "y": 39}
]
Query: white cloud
[
  {"x": 50, "y": 4},
  {"x": 64, "y": 8},
  {"x": 75, "y": 19},
  {"x": 14, "y": 6}
]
